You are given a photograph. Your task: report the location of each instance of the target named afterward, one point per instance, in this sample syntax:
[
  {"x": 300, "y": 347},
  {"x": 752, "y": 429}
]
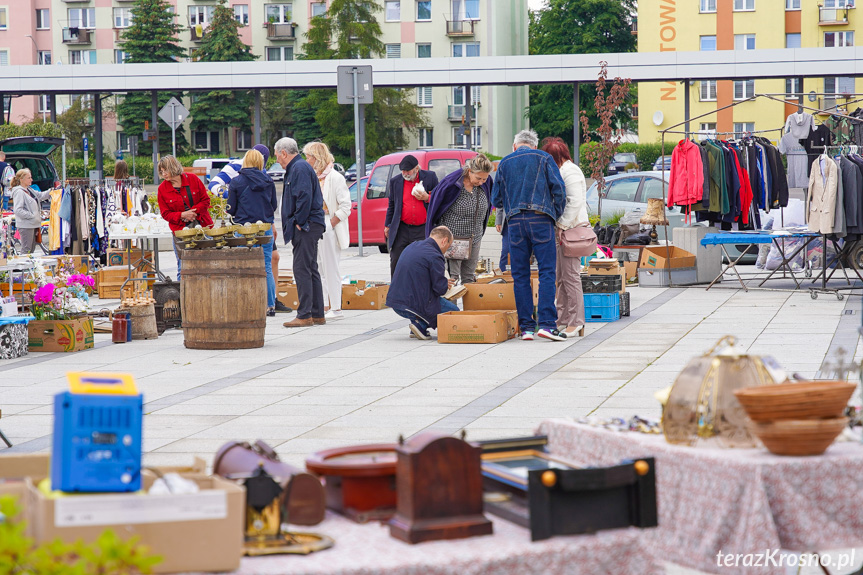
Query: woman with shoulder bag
[
  {"x": 183, "y": 199},
  {"x": 462, "y": 202},
  {"x": 27, "y": 207},
  {"x": 570, "y": 296}
]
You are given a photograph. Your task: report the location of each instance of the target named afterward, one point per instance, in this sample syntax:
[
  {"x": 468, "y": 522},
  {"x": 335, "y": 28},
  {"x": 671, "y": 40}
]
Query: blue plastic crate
[{"x": 601, "y": 307}]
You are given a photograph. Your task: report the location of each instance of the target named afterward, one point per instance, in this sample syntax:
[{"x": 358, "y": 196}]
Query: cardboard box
[
  {"x": 121, "y": 257},
  {"x": 661, "y": 257},
  {"x": 81, "y": 264},
  {"x": 287, "y": 294},
  {"x": 477, "y": 326},
  {"x": 193, "y": 532},
  {"x": 660, "y": 278},
  {"x": 17, "y": 489},
  {"x": 21, "y": 465},
  {"x": 631, "y": 269},
  {"x": 60, "y": 335},
  {"x": 488, "y": 297},
  {"x": 363, "y": 296},
  {"x": 603, "y": 267}
]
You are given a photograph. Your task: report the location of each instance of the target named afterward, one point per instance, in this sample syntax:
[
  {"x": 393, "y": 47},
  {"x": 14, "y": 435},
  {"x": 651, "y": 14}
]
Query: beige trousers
[{"x": 570, "y": 296}]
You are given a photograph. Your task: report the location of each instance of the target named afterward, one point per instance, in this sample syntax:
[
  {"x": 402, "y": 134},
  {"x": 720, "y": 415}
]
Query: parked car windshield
[
  {"x": 444, "y": 167},
  {"x": 626, "y": 158}
]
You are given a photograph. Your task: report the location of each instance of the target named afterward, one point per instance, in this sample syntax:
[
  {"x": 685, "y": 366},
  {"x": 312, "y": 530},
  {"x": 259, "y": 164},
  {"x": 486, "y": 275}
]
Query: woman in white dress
[{"x": 337, "y": 209}]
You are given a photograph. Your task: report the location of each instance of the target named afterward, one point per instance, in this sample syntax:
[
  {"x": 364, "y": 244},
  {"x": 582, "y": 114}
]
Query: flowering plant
[{"x": 63, "y": 297}]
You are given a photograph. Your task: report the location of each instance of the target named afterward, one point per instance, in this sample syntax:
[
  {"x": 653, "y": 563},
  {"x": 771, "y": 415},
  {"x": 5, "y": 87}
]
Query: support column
[
  {"x": 154, "y": 105},
  {"x": 3, "y": 108},
  {"x": 467, "y": 116},
  {"x": 52, "y": 105},
  {"x": 256, "y": 137},
  {"x": 97, "y": 113},
  {"x": 686, "y": 113},
  {"x": 800, "y": 94},
  {"x": 576, "y": 127}
]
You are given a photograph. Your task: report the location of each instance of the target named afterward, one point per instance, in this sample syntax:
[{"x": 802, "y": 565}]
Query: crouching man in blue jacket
[{"x": 419, "y": 282}]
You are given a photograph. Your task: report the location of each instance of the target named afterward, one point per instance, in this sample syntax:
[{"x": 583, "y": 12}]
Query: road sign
[
  {"x": 86, "y": 144},
  {"x": 148, "y": 135},
  {"x": 345, "y": 85},
  {"x": 133, "y": 145},
  {"x": 174, "y": 113}
]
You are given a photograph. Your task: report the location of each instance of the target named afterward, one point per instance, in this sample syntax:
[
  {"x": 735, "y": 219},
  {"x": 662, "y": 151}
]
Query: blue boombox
[{"x": 97, "y": 436}]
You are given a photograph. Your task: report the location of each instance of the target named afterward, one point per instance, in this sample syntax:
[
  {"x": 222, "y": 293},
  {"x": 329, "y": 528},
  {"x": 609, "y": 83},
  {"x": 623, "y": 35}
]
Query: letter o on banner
[{"x": 667, "y": 33}]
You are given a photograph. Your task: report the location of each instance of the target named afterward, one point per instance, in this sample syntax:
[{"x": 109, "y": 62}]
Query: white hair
[
  {"x": 287, "y": 145},
  {"x": 526, "y": 137}
]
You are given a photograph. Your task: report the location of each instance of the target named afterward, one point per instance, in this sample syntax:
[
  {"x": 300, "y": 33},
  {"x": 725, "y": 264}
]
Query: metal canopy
[{"x": 408, "y": 72}]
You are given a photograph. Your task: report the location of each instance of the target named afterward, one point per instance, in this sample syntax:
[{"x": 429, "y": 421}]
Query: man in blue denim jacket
[{"x": 529, "y": 188}]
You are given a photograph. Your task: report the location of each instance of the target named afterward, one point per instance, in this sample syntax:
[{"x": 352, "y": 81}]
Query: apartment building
[
  {"x": 84, "y": 32},
  {"x": 669, "y": 25}
]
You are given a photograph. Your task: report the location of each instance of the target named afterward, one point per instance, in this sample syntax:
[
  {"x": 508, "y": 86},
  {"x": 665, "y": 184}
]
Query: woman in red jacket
[{"x": 183, "y": 199}]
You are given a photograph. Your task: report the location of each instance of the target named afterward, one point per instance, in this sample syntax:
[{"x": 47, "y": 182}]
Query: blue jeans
[
  {"x": 179, "y": 262},
  {"x": 445, "y": 306},
  {"x": 504, "y": 247},
  {"x": 532, "y": 232},
  {"x": 5, "y": 201},
  {"x": 268, "y": 265}
]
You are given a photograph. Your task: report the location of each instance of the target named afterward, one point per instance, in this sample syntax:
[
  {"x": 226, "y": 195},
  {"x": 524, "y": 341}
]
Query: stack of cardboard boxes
[{"x": 489, "y": 314}]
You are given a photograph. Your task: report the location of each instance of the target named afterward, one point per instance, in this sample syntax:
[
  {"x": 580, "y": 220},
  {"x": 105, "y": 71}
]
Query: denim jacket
[{"x": 529, "y": 180}]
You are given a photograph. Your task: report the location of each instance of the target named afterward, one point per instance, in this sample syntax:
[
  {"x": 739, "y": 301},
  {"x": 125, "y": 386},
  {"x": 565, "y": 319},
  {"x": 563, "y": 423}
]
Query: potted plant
[{"x": 60, "y": 306}]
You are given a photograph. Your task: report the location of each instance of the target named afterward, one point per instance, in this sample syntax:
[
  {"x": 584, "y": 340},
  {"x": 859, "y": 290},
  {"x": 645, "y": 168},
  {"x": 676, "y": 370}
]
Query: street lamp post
[{"x": 36, "y": 46}]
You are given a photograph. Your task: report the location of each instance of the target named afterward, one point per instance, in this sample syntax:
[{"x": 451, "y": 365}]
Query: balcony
[
  {"x": 634, "y": 26},
  {"x": 460, "y": 27},
  {"x": 197, "y": 32},
  {"x": 455, "y": 113},
  {"x": 76, "y": 36},
  {"x": 281, "y": 31},
  {"x": 832, "y": 16}
]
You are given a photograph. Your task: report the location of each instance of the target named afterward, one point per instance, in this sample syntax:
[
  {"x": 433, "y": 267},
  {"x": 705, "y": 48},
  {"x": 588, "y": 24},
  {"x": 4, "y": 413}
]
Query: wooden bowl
[
  {"x": 804, "y": 400},
  {"x": 799, "y": 436}
]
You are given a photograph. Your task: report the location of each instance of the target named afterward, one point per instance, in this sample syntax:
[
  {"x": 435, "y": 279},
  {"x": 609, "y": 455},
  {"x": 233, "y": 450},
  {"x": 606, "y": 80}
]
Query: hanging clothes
[
  {"x": 799, "y": 124},
  {"x": 839, "y": 212},
  {"x": 686, "y": 180},
  {"x": 823, "y": 186},
  {"x": 798, "y": 165},
  {"x": 841, "y": 128},
  {"x": 816, "y": 142},
  {"x": 54, "y": 221}
]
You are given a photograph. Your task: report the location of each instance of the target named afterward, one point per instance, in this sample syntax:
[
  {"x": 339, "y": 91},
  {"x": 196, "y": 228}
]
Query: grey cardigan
[{"x": 27, "y": 209}]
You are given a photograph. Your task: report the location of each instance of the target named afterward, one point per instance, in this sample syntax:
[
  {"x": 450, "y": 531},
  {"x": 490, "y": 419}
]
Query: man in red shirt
[{"x": 406, "y": 212}]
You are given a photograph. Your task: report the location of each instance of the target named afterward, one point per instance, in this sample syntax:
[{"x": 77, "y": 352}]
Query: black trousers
[
  {"x": 306, "y": 273},
  {"x": 405, "y": 236}
]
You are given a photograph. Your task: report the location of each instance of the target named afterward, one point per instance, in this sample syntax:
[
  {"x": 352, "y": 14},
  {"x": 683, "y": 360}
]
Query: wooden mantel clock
[{"x": 439, "y": 485}]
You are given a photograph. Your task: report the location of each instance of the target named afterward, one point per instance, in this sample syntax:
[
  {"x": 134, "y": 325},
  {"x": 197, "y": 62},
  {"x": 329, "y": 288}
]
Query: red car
[{"x": 375, "y": 200}]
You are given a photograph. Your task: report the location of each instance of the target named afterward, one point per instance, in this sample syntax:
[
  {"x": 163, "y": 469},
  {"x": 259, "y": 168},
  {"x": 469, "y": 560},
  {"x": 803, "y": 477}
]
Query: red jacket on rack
[
  {"x": 745, "y": 190},
  {"x": 686, "y": 181}
]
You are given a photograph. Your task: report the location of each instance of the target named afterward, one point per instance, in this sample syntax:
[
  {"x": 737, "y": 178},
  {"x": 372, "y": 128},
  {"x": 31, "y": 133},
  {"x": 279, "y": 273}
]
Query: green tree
[
  {"x": 152, "y": 37},
  {"x": 221, "y": 110},
  {"x": 578, "y": 27},
  {"x": 350, "y": 30}
]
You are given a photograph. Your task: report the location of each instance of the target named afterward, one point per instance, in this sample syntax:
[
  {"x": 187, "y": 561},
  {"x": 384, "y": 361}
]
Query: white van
[{"x": 213, "y": 165}]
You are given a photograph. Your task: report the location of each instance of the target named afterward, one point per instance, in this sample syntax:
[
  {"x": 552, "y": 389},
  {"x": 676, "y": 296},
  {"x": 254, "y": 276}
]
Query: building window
[
  {"x": 241, "y": 14},
  {"x": 200, "y": 15},
  {"x": 44, "y": 107},
  {"x": 426, "y": 138},
  {"x": 424, "y": 11},
  {"x": 744, "y": 89},
  {"x": 838, "y": 3},
  {"x": 122, "y": 17},
  {"x": 839, "y": 85},
  {"x": 279, "y": 13},
  {"x": 423, "y": 50},
  {"x": 3, "y": 20},
  {"x": 708, "y": 90},
  {"x": 424, "y": 96},
  {"x": 394, "y": 50},
  {"x": 465, "y": 49},
  {"x": 319, "y": 9},
  {"x": 792, "y": 40},
  {"x": 742, "y": 129},
  {"x": 792, "y": 87},
  {"x": 706, "y": 130},
  {"x": 707, "y": 6},
  {"x": 475, "y": 136},
  {"x": 44, "y": 57},
  {"x": 465, "y": 9},
  {"x": 244, "y": 140},
  {"x": 43, "y": 19},
  {"x": 458, "y": 96},
  {"x": 838, "y": 39},
  {"x": 4, "y": 57},
  {"x": 120, "y": 56},
  {"x": 280, "y": 53},
  {"x": 202, "y": 141},
  {"x": 792, "y": 4},
  {"x": 82, "y": 17},
  {"x": 708, "y": 43},
  {"x": 393, "y": 11},
  {"x": 123, "y": 141},
  {"x": 744, "y": 41},
  {"x": 744, "y": 5},
  {"x": 82, "y": 56}
]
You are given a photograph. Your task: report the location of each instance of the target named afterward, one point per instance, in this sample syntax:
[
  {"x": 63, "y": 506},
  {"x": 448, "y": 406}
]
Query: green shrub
[{"x": 646, "y": 153}]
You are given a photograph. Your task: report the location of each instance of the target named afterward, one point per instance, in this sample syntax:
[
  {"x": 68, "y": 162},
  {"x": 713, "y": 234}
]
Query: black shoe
[
  {"x": 271, "y": 312},
  {"x": 281, "y": 308}
]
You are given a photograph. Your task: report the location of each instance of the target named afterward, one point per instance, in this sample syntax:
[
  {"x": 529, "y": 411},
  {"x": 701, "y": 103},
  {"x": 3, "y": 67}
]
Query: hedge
[
  {"x": 646, "y": 153},
  {"x": 143, "y": 166}
]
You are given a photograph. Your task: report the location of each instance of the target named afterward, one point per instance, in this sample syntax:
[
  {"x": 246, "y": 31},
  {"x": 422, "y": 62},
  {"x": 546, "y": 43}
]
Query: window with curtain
[
  {"x": 394, "y": 50},
  {"x": 423, "y": 50},
  {"x": 708, "y": 91},
  {"x": 708, "y": 43},
  {"x": 426, "y": 139},
  {"x": 707, "y": 6},
  {"x": 241, "y": 14},
  {"x": 465, "y": 49},
  {"x": 43, "y": 19},
  {"x": 424, "y": 10},
  {"x": 744, "y": 41},
  {"x": 393, "y": 11},
  {"x": 744, "y": 89},
  {"x": 279, "y": 13},
  {"x": 424, "y": 96}
]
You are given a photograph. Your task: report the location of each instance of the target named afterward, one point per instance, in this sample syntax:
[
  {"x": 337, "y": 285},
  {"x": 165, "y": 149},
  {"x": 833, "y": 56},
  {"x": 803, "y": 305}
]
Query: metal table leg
[{"x": 732, "y": 265}]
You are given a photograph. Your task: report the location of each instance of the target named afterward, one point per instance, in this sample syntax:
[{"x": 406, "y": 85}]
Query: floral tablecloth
[
  {"x": 369, "y": 550},
  {"x": 732, "y": 500}
]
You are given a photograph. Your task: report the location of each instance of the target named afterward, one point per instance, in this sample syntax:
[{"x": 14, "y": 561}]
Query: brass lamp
[
  {"x": 701, "y": 408},
  {"x": 655, "y": 216}
]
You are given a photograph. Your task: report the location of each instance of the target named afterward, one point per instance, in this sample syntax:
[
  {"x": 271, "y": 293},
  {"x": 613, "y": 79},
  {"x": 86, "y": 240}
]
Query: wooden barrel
[
  {"x": 223, "y": 298},
  {"x": 143, "y": 321}
]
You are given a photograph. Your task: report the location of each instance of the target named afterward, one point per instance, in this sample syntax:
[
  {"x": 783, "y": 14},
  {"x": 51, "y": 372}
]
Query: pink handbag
[{"x": 578, "y": 242}]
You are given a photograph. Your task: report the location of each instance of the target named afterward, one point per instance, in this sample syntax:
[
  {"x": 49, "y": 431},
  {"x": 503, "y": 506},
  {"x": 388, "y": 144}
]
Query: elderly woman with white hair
[
  {"x": 337, "y": 209},
  {"x": 303, "y": 225}
]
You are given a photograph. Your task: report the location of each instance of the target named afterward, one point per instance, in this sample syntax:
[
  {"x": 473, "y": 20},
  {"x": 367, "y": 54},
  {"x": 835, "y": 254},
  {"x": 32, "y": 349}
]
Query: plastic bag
[{"x": 774, "y": 258}]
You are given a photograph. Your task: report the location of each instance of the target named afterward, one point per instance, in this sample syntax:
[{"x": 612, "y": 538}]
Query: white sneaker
[
  {"x": 418, "y": 333},
  {"x": 527, "y": 336},
  {"x": 334, "y": 314}
]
